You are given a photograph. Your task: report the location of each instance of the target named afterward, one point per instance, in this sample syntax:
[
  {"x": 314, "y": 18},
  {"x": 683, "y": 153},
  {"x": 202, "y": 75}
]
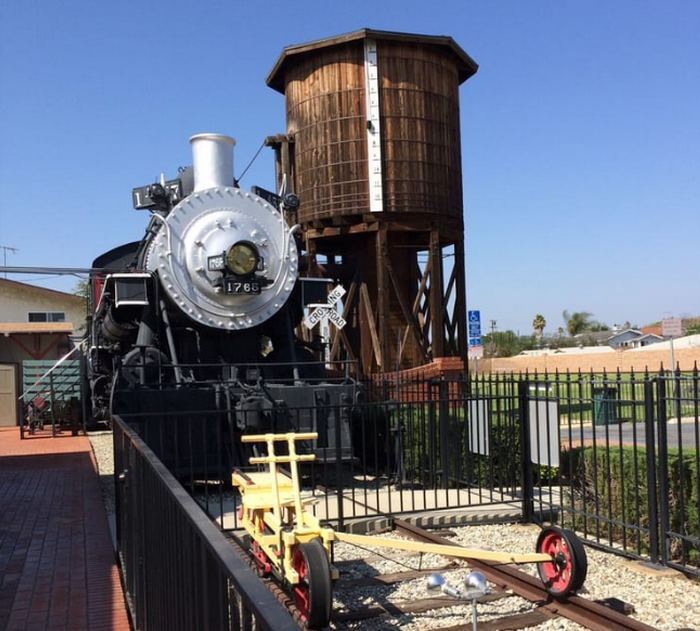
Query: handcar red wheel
[
  {"x": 313, "y": 594},
  {"x": 566, "y": 572}
]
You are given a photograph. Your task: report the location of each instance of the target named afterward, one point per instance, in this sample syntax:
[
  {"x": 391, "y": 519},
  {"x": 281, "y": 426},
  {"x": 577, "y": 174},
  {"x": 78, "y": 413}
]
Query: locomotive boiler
[{"x": 200, "y": 316}]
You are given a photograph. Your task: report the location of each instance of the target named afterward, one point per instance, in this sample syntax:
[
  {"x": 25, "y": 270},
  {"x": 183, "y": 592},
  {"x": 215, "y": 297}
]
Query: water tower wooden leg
[
  {"x": 460, "y": 312},
  {"x": 382, "y": 306},
  {"x": 437, "y": 332}
]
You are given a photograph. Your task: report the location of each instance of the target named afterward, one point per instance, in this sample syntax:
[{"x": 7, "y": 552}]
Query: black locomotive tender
[{"x": 197, "y": 321}]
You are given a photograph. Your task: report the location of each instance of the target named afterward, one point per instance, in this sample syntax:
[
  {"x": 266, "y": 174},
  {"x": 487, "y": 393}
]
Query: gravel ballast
[{"x": 665, "y": 602}]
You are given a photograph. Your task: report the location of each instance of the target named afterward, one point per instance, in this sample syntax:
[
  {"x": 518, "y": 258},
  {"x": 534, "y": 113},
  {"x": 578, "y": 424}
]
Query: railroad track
[
  {"x": 507, "y": 582},
  {"x": 593, "y": 615}
]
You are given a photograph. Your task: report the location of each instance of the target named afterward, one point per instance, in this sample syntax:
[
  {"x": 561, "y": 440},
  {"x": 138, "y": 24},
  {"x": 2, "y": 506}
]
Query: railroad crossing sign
[{"x": 326, "y": 313}]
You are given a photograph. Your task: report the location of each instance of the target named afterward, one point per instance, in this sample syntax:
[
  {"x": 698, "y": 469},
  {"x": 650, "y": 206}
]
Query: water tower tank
[
  {"x": 370, "y": 108},
  {"x": 372, "y": 148}
]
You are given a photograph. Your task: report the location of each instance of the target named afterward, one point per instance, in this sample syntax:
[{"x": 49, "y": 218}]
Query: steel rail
[{"x": 591, "y": 615}]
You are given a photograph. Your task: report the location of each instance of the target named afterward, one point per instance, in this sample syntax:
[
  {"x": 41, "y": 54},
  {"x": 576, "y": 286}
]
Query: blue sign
[{"x": 474, "y": 326}]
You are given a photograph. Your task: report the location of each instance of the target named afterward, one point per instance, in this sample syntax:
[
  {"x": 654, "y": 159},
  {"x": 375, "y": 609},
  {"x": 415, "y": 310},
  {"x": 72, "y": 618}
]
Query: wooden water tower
[{"x": 372, "y": 149}]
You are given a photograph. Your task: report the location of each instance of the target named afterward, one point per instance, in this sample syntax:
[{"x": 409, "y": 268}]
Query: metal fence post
[
  {"x": 663, "y": 468},
  {"x": 338, "y": 466},
  {"x": 651, "y": 471},
  {"x": 525, "y": 453},
  {"x": 444, "y": 420}
]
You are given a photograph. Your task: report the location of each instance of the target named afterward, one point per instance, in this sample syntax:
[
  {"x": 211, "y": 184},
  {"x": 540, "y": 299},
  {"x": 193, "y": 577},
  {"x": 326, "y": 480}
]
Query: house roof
[
  {"x": 635, "y": 331},
  {"x": 650, "y": 335},
  {"x": 5, "y": 282},
  {"x": 466, "y": 65},
  {"x": 24, "y": 328}
]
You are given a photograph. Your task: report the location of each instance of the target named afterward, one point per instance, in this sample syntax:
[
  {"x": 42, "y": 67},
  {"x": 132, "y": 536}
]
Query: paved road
[{"x": 690, "y": 431}]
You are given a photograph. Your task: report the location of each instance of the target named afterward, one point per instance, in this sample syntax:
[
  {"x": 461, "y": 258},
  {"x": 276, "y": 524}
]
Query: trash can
[{"x": 605, "y": 406}]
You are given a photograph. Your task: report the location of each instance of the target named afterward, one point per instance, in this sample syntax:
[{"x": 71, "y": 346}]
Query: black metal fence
[
  {"x": 180, "y": 571},
  {"x": 617, "y": 458},
  {"x": 614, "y": 456}
]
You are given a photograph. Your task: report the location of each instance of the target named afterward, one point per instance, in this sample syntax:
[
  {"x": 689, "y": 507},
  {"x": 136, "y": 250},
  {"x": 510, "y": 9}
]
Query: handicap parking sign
[{"x": 474, "y": 326}]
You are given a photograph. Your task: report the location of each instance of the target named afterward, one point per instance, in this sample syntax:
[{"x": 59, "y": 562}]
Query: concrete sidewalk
[{"x": 57, "y": 567}]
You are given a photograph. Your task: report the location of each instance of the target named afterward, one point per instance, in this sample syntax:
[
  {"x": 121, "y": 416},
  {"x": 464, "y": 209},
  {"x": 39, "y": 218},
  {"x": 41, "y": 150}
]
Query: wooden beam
[
  {"x": 460, "y": 312},
  {"x": 416, "y": 306},
  {"x": 437, "y": 341},
  {"x": 382, "y": 262},
  {"x": 364, "y": 298},
  {"x": 408, "y": 316}
]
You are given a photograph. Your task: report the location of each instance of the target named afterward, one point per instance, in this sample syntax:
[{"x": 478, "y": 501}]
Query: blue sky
[{"x": 580, "y": 133}]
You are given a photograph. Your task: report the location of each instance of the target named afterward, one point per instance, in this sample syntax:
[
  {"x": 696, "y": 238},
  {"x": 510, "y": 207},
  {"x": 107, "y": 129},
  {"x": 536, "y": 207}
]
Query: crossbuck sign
[{"x": 326, "y": 313}]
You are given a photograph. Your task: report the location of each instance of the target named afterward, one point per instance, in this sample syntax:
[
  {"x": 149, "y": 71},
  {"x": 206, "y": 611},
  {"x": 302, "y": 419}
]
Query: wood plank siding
[{"x": 326, "y": 117}]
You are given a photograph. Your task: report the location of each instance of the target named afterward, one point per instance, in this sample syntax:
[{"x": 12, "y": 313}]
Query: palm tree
[
  {"x": 577, "y": 322},
  {"x": 538, "y": 324}
]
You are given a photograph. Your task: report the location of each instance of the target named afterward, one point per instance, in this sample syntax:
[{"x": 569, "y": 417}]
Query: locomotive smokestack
[{"x": 212, "y": 160}]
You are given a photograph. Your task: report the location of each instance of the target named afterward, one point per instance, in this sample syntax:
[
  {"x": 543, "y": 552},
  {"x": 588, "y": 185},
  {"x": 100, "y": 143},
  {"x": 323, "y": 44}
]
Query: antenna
[{"x": 5, "y": 250}]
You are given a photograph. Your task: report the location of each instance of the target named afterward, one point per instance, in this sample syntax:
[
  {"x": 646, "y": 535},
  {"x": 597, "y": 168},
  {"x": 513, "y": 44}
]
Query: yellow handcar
[{"x": 290, "y": 542}]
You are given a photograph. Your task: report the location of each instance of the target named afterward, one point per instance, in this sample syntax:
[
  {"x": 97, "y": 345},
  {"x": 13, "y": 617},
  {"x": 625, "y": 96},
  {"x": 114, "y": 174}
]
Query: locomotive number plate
[{"x": 239, "y": 287}]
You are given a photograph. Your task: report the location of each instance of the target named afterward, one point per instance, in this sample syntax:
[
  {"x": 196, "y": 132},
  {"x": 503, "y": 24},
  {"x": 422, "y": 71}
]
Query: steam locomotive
[{"x": 201, "y": 314}]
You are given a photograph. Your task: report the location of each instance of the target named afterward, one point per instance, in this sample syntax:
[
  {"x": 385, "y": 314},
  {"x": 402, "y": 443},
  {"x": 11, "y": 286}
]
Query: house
[
  {"x": 623, "y": 339},
  {"x": 645, "y": 340},
  {"x": 35, "y": 323}
]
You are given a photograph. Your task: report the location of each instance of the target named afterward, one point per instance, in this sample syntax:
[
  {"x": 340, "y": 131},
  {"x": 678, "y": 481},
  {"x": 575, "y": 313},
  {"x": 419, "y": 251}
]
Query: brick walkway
[{"x": 57, "y": 566}]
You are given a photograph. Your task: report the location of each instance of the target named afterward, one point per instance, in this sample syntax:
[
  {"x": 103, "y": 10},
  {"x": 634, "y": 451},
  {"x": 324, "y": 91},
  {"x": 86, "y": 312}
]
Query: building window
[{"x": 46, "y": 316}]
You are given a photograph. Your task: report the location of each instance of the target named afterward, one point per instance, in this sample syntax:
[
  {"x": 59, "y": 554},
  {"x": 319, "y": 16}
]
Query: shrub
[{"x": 604, "y": 484}]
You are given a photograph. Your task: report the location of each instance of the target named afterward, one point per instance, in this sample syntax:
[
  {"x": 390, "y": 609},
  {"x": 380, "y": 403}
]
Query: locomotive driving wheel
[
  {"x": 313, "y": 594},
  {"x": 566, "y": 572}
]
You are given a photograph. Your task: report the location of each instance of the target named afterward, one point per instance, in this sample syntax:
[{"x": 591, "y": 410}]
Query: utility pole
[
  {"x": 492, "y": 324},
  {"x": 5, "y": 249}
]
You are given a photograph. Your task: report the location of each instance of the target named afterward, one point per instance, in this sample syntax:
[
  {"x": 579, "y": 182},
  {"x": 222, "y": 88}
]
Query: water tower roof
[{"x": 466, "y": 65}]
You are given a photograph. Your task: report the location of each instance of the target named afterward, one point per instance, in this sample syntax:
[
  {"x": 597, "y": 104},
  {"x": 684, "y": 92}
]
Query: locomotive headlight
[{"x": 242, "y": 258}]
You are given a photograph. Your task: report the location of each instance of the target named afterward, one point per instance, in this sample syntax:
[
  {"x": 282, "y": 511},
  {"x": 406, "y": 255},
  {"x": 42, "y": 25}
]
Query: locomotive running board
[{"x": 445, "y": 550}]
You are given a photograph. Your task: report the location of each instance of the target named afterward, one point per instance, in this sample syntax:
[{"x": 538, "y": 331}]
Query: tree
[
  {"x": 577, "y": 322},
  {"x": 82, "y": 290},
  {"x": 507, "y": 343},
  {"x": 538, "y": 324}
]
